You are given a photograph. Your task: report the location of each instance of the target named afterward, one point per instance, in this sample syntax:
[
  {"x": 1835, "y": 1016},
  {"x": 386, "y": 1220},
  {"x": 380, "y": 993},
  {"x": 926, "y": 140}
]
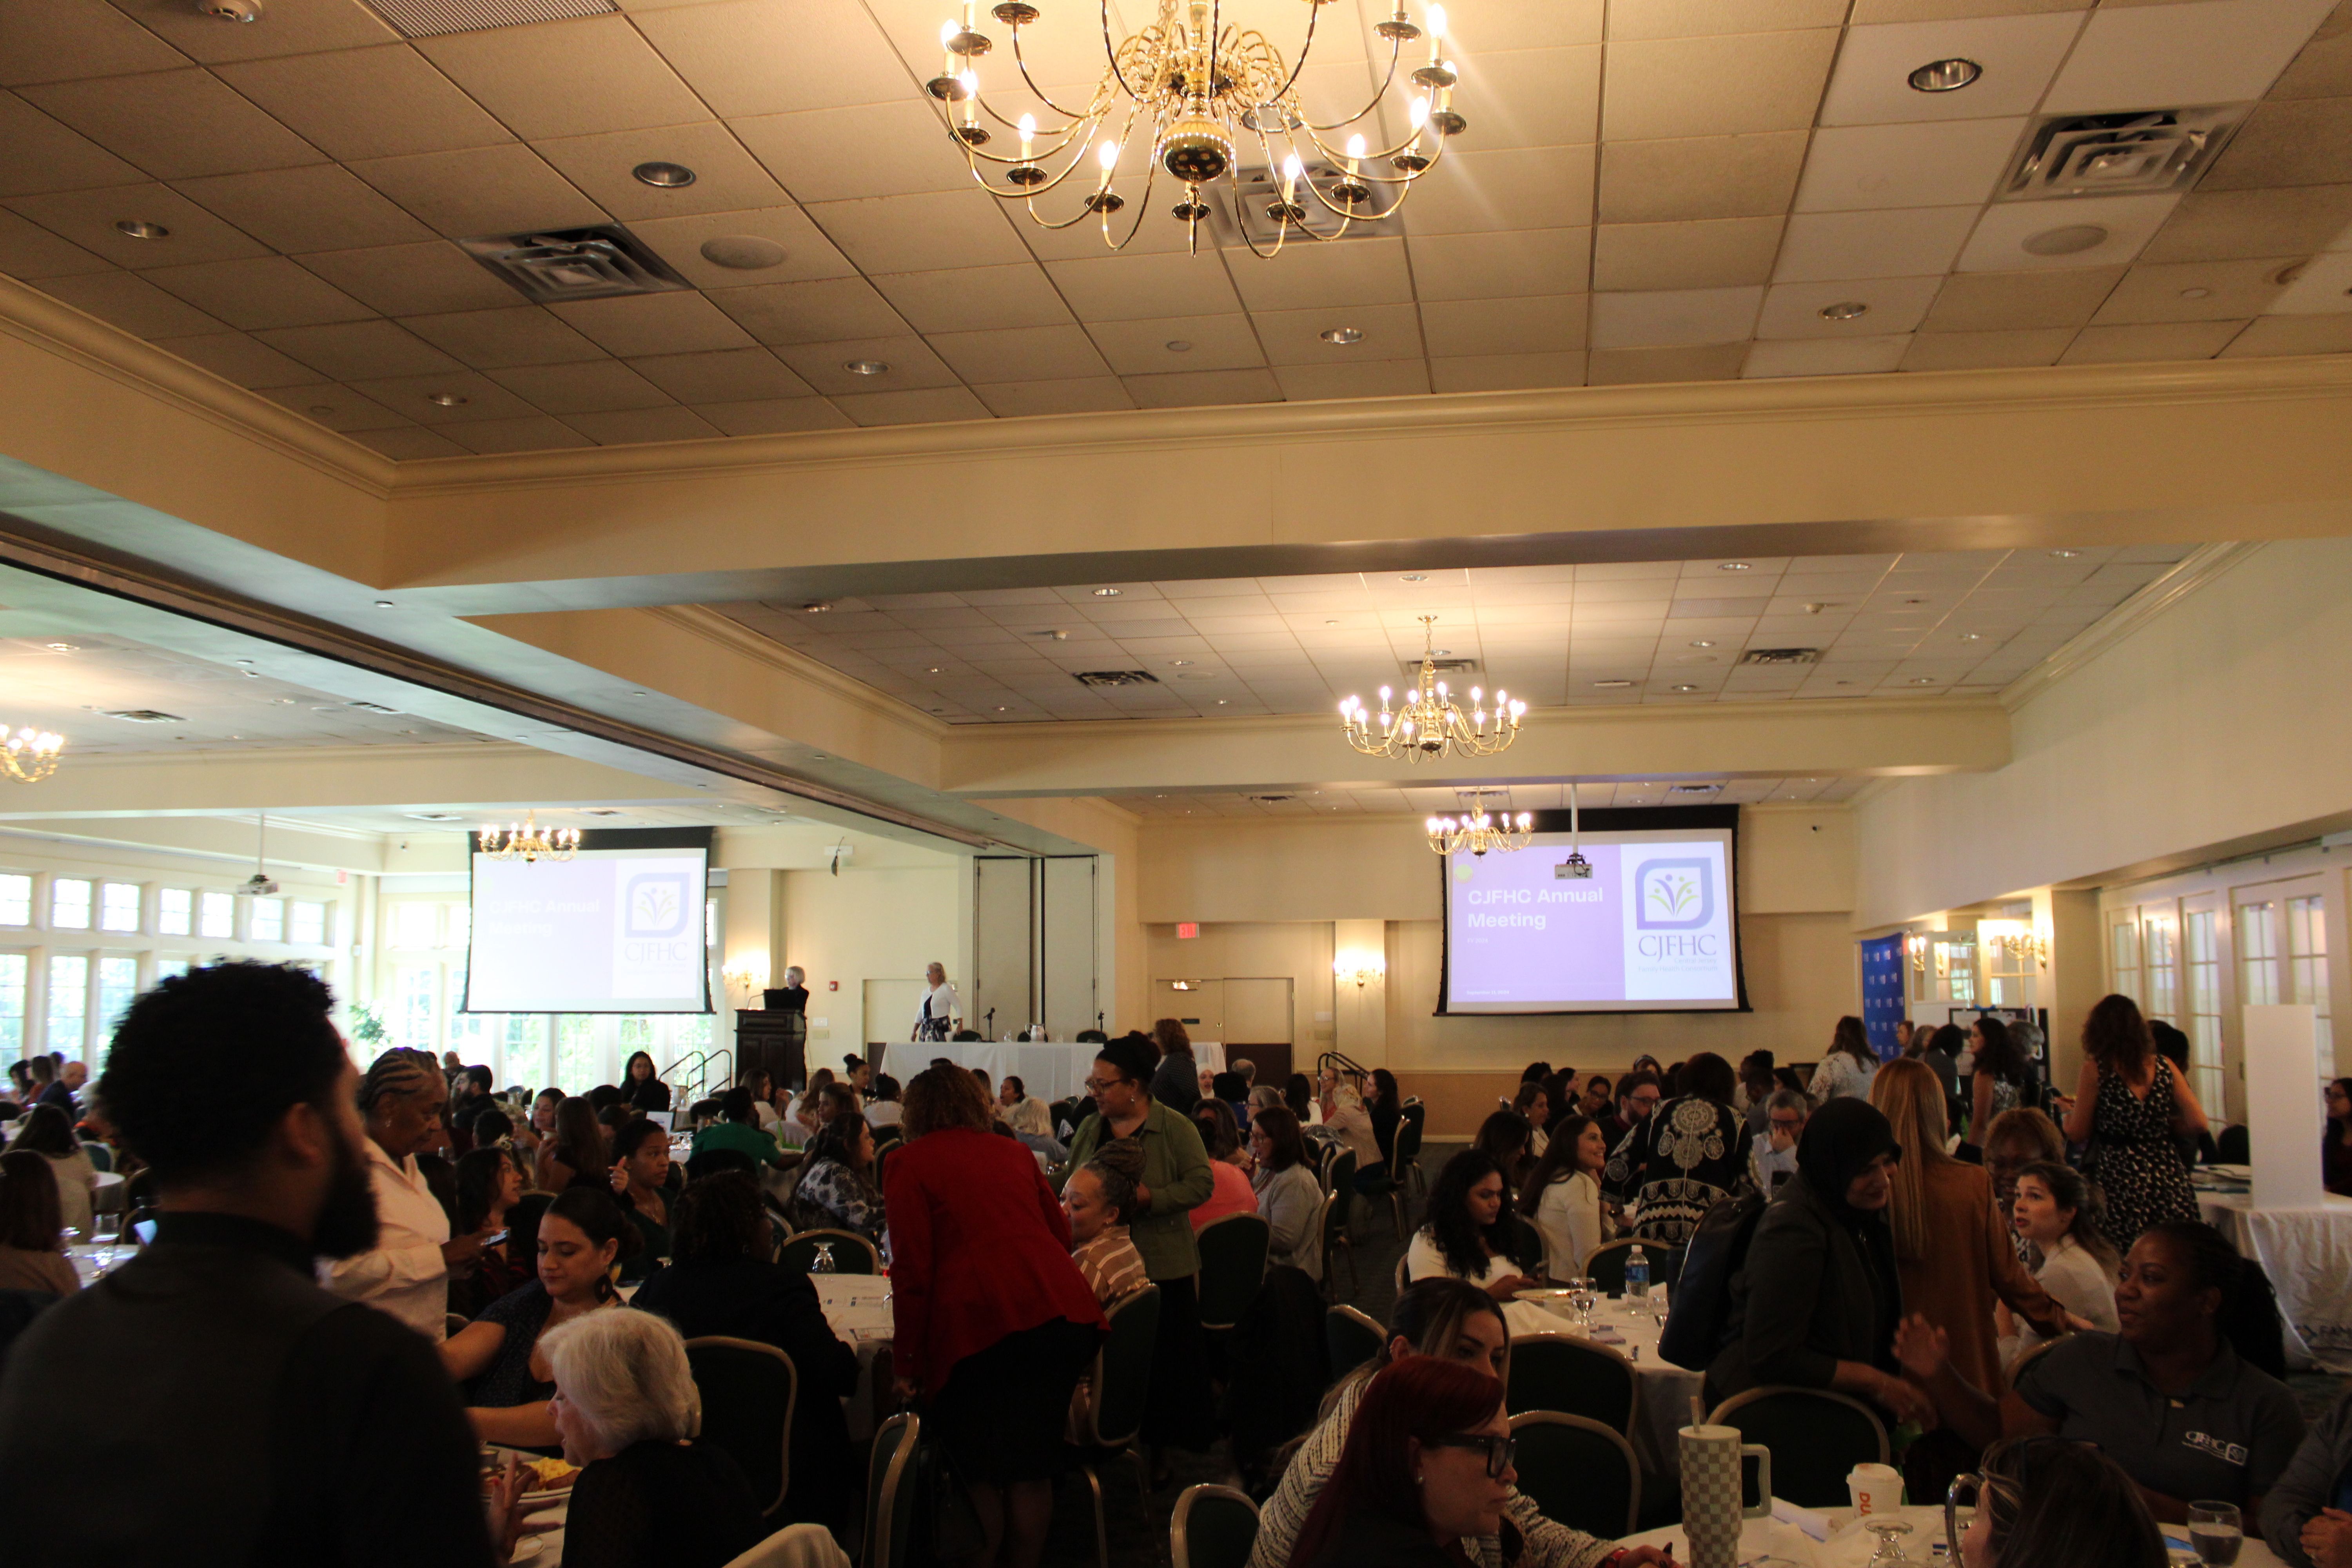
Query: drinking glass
[
  {"x": 823, "y": 1262},
  {"x": 2216, "y": 1533},
  {"x": 1888, "y": 1554},
  {"x": 1582, "y": 1297}
]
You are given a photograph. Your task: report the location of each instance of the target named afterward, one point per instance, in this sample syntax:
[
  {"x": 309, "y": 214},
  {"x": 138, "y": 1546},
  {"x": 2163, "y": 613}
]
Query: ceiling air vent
[
  {"x": 575, "y": 263},
  {"x": 145, "y": 716},
  {"x": 1781, "y": 655},
  {"x": 1412, "y": 667},
  {"x": 1694, "y": 789},
  {"x": 430, "y": 18},
  {"x": 371, "y": 706},
  {"x": 1115, "y": 677},
  {"x": 2119, "y": 154},
  {"x": 1259, "y": 189}
]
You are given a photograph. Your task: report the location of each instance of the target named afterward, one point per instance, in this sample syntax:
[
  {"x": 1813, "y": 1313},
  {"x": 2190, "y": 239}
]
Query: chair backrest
[
  {"x": 1352, "y": 1338},
  {"x": 883, "y": 1149},
  {"x": 795, "y": 1546},
  {"x": 1574, "y": 1377},
  {"x": 453, "y": 1321},
  {"x": 890, "y": 1493},
  {"x": 1408, "y": 1137},
  {"x": 1340, "y": 1175},
  {"x": 1330, "y": 1224},
  {"x": 2233, "y": 1146},
  {"x": 1580, "y": 1472},
  {"x": 852, "y": 1253},
  {"x": 101, "y": 1158},
  {"x": 1122, "y": 1376},
  {"x": 1402, "y": 1278},
  {"x": 1213, "y": 1527},
  {"x": 1535, "y": 1252},
  {"x": 1233, "y": 1265},
  {"x": 1606, "y": 1263},
  {"x": 1815, "y": 1436},
  {"x": 748, "y": 1389}
]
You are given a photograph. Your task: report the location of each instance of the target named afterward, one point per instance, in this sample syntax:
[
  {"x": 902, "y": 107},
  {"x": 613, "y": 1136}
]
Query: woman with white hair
[{"x": 627, "y": 1411}]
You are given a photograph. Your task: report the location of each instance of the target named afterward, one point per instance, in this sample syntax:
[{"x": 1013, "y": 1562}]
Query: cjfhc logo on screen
[
  {"x": 655, "y": 904},
  {"x": 1674, "y": 895}
]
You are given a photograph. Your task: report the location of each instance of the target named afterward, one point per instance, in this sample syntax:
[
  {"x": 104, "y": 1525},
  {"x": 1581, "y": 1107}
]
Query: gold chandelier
[
  {"x": 1206, "y": 95},
  {"x": 529, "y": 842},
  {"x": 1478, "y": 832},
  {"x": 31, "y": 755},
  {"x": 1431, "y": 726}
]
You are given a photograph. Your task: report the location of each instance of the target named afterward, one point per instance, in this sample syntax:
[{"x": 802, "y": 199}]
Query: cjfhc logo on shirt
[{"x": 2229, "y": 1453}]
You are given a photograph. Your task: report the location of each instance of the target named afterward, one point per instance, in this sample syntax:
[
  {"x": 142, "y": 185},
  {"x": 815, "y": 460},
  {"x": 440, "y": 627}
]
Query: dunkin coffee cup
[{"x": 1875, "y": 1488}]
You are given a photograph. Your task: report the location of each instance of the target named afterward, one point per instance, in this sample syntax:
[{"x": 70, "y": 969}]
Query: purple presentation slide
[
  {"x": 1650, "y": 928},
  {"x": 613, "y": 930}
]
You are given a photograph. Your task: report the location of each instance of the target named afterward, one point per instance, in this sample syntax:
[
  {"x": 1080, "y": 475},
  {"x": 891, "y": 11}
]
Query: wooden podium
[{"x": 776, "y": 1043}]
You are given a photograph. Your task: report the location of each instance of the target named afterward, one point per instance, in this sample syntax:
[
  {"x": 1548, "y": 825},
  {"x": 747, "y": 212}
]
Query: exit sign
[{"x": 1187, "y": 929}]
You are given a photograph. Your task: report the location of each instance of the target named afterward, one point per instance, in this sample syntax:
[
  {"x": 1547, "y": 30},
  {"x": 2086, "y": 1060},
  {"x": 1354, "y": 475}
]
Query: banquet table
[
  {"x": 857, "y": 1309},
  {"x": 1048, "y": 1070},
  {"x": 1850, "y": 1546},
  {"x": 2307, "y": 1253},
  {"x": 1631, "y": 1328}
]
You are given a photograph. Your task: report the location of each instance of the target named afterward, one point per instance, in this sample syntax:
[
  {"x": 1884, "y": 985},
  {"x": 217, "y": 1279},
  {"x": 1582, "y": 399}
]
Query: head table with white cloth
[
  {"x": 1048, "y": 1070},
  {"x": 2307, "y": 1253}
]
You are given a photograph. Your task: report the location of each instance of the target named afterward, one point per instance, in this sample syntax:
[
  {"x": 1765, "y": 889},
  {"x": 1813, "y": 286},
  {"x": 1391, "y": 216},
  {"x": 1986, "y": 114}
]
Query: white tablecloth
[
  {"x": 1048, "y": 1070},
  {"x": 857, "y": 1309},
  {"x": 1665, "y": 1389},
  {"x": 2307, "y": 1253},
  {"x": 1849, "y": 1545}
]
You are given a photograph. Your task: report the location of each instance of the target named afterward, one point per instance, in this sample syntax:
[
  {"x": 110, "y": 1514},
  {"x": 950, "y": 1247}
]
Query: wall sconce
[
  {"x": 1917, "y": 946},
  {"x": 745, "y": 976},
  {"x": 1363, "y": 968}
]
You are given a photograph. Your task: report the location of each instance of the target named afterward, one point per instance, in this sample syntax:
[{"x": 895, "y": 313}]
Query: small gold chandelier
[
  {"x": 31, "y": 755},
  {"x": 1479, "y": 832},
  {"x": 1431, "y": 726},
  {"x": 1206, "y": 96},
  {"x": 529, "y": 842}
]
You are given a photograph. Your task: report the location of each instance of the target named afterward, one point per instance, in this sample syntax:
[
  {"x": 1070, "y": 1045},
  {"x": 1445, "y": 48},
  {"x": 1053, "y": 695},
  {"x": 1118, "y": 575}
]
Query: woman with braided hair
[{"x": 406, "y": 1272}]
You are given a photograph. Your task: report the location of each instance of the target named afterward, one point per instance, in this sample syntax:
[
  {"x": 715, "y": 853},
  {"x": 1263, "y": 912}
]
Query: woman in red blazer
[{"x": 995, "y": 1325}]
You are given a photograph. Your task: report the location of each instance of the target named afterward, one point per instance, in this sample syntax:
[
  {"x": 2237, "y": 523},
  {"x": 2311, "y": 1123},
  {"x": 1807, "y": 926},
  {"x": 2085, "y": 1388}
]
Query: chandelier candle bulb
[
  {"x": 951, "y": 68},
  {"x": 1028, "y": 135},
  {"x": 1355, "y": 153},
  {"x": 1436, "y": 34}
]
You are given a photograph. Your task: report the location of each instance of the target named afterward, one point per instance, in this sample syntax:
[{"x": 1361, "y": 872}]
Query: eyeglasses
[
  {"x": 1499, "y": 1451},
  {"x": 1096, "y": 1085}
]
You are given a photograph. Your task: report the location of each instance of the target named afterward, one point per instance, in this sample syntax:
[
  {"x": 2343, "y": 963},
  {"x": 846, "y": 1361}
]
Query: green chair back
[
  {"x": 1233, "y": 1265},
  {"x": 852, "y": 1253},
  {"x": 1574, "y": 1377},
  {"x": 1213, "y": 1527},
  {"x": 1578, "y": 1472},
  {"x": 748, "y": 1390},
  {"x": 1607, "y": 1264},
  {"x": 891, "y": 1494},
  {"x": 1122, "y": 1378},
  {"x": 1352, "y": 1338},
  {"x": 1815, "y": 1436}
]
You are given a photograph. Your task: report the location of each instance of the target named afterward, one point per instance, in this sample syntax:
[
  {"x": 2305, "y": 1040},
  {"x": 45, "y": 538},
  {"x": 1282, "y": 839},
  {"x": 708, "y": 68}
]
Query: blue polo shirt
[{"x": 2230, "y": 1437}]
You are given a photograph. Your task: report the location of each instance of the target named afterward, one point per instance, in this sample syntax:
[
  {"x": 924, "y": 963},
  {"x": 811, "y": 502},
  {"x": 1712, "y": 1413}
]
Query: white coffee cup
[{"x": 1875, "y": 1488}]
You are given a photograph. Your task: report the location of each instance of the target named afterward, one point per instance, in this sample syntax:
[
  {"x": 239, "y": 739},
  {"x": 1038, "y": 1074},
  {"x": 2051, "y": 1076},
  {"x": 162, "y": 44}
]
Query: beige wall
[{"x": 861, "y": 926}]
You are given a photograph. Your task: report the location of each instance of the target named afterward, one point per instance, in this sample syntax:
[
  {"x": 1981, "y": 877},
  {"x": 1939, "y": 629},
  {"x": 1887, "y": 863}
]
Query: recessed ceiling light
[
  {"x": 932, "y": 671},
  {"x": 1923, "y": 680},
  {"x": 1685, "y": 689},
  {"x": 1179, "y": 346},
  {"x": 1004, "y": 709},
  {"x": 814, "y": 759},
  {"x": 1702, "y": 642},
  {"x": 1107, "y": 593},
  {"x": 1342, "y": 336},
  {"x": 62, "y": 647},
  {"x": 432, "y": 816},
  {"x": 667, "y": 176},
  {"x": 1944, "y": 76},
  {"x": 1844, "y": 311},
  {"x": 139, "y": 228},
  {"x": 1612, "y": 685},
  {"x": 1733, "y": 566},
  {"x": 1415, "y": 577},
  {"x": 864, "y": 366},
  {"x": 384, "y": 604},
  {"x": 231, "y": 10},
  {"x": 1221, "y": 703},
  {"x": 1972, "y": 637},
  {"x": 446, "y": 399},
  {"x": 2195, "y": 293},
  {"x": 1178, "y": 663},
  {"x": 2064, "y": 554},
  {"x": 240, "y": 661},
  {"x": 2070, "y": 239},
  {"x": 816, "y": 607}
]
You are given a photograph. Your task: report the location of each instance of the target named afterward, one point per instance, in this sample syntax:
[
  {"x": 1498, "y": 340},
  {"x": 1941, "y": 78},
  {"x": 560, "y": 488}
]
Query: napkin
[{"x": 1816, "y": 1525}]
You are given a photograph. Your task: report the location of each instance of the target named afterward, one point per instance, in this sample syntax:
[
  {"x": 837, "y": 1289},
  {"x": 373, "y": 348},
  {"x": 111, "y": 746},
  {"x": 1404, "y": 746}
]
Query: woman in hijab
[{"x": 1819, "y": 1300}]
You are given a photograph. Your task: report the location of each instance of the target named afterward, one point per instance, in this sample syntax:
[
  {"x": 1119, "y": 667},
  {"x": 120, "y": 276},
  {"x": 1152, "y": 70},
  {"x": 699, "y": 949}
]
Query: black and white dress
[
  {"x": 935, "y": 1019},
  {"x": 1680, "y": 1160},
  {"x": 2133, "y": 1155}
]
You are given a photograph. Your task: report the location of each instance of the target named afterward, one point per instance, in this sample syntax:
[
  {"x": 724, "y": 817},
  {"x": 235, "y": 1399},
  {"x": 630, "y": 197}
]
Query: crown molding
[
  {"x": 708, "y": 623},
  {"x": 2194, "y": 571},
  {"x": 430, "y": 751},
  {"x": 82, "y": 339}
]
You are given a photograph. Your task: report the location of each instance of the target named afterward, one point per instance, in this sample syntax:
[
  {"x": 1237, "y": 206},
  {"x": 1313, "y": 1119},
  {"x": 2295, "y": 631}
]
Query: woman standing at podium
[{"x": 942, "y": 1010}]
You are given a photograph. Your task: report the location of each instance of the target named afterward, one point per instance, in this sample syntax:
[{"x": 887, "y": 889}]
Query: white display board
[{"x": 2285, "y": 1117}]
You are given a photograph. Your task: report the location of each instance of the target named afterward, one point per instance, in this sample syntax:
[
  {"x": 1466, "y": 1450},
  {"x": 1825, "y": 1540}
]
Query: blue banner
[{"x": 1882, "y": 992}]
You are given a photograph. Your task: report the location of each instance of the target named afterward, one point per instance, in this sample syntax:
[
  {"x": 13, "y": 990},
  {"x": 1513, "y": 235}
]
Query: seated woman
[
  {"x": 2185, "y": 1397},
  {"x": 1353, "y": 1125},
  {"x": 641, "y": 1082},
  {"x": 541, "y": 1126},
  {"x": 1505, "y": 1138},
  {"x": 835, "y": 1189},
  {"x": 2049, "y": 1503},
  {"x": 498, "y": 1355},
  {"x": 1289, "y": 1198},
  {"x": 2056, "y": 1212},
  {"x": 1562, "y": 1195},
  {"x": 1533, "y": 1106},
  {"x": 2304, "y": 1516},
  {"x": 648, "y": 1495},
  {"x": 32, "y": 1247},
  {"x": 739, "y": 1129},
  {"x": 574, "y": 1154},
  {"x": 641, "y": 1185},
  {"x": 723, "y": 1279},
  {"x": 1231, "y": 1191},
  {"x": 1100, "y": 1198},
  {"x": 1817, "y": 1304},
  {"x": 1428, "y": 1462},
  {"x": 764, "y": 1099},
  {"x": 1441, "y": 1320},
  {"x": 883, "y": 1111},
  {"x": 1017, "y": 1110},
  {"x": 804, "y": 1117},
  {"x": 48, "y": 1133},
  {"x": 489, "y": 1184},
  {"x": 1467, "y": 1237}
]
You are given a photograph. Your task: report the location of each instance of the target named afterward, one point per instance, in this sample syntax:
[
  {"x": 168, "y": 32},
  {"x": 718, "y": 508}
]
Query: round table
[
  {"x": 1849, "y": 1545},
  {"x": 1632, "y": 1330}
]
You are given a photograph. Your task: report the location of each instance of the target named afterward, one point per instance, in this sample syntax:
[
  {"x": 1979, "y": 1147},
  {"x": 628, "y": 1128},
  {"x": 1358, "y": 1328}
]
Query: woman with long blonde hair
[{"x": 1951, "y": 1251}]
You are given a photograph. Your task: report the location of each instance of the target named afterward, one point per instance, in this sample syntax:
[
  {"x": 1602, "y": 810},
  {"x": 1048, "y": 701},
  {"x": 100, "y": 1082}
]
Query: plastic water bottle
[{"x": 1637, "y": 1275}]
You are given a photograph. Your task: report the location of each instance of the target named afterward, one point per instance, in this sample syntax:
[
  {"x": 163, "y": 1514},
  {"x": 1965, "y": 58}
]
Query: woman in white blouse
[
  {"x": 941, "y": 1012},
  {"x": 1563, "y": 1192},
  {"x": 1848, "y": 1068},
  {"x": 2057, "y": 1212},
  {"x": 1469, "y": 1234}
]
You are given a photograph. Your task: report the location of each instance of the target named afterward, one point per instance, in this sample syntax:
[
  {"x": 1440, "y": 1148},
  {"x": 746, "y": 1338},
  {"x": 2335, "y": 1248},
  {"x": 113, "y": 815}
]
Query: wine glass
[
  {"x": 1888, "y": 1554},
  {"x": 823, "y": 1262},
  {"x": 1582, "y": 1297},
  {"x": 2216, "y": 1533}
]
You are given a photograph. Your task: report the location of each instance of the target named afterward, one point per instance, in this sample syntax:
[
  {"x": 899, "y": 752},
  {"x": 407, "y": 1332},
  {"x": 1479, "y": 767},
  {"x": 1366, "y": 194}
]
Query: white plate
[{"x": 526, "y": 1549}]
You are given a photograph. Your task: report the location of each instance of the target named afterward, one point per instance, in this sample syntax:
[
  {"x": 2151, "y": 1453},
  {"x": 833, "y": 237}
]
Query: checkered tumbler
[{"x": 1712, "y": 1510}]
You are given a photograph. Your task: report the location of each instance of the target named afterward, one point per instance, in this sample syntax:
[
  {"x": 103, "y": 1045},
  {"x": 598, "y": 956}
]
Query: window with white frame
[
  {"x": 176, "y": 911},
  {"x": 2306, "y": 963},
  {"x": 2122, "y": 955},
  {"x": 70, "y": 904},
  {"x": 165, "y": 968},
  {"x": 118, "y": 906},
  {"x": 416, "y": 1005},
  {"x": 117, "y": 988},
  {"x": 69, "y": 1013},
  {"x": 216, "y": 915},
  {"x": 268, "y": 920},
  {"x": 415, "y": 923},
  {"x": 2203, "y": 996},
  {"x": 2258, "y": 976},
  {"x": 16, "y": 899},
  {"x": 2160, "y": 961},
  {"x": 306, "y": 921},
  {"x": 14, "y": 966}
]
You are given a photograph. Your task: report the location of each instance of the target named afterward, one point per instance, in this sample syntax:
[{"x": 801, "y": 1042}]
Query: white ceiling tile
[
  {"x": 1531, "y": 98},
  {"x": 1138, "y": 288},
  {"x": 975, "y": 299},
  {"x": 728, "y": 53},
  {"x": 1192, "y": 389},
  {"x": 870, "y": 150},
  {"x": 922, "y": 233},
  {"x": 1141, "y": 348},
  {"x": 1352, "y": 272},
  {"x": 1295, "y": 337},
  {"x": 1461, "y": 327},
  {"x": 1818, "y": 356},
  {"x": 1906, "y": 243},
  {"x": 2324, "y": 287},
  {"x": 2018, "y": 55},
  {"x": 680, "y": 240},
  {"x": 1507, "y": 373},
  {"x": 727, "y": 178},
  {"x": 2001, "y": 237},
  {"x": 2146, "y": 56},
  {"x": 1894, "y": 305},
  {"x": 1478, "y": 192},
  {"x": 1370, "y": 378},
  {"x": 1673, "y": 316},
  {"x": 565, "y": 79},
  {"x": 1021, "y": 353},
  {"x": 1935, "y": 164}
]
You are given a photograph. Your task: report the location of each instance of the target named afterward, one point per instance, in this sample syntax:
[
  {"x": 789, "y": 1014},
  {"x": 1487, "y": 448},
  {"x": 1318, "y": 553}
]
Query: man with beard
[
  {"x": 406, "y": 1272},
  {"x": 263, "y": 1419}
]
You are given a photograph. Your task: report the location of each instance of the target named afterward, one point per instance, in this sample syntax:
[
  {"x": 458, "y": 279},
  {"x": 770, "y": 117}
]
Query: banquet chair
[
  {"x": 1213, "y": 1527},
  {"x": 1815, "y": 1436},
  {"x": 1331, "y": 1223},
  {"x": 891, "y": 1495},
  {"x": 2233, "y": 1146},
  {"x": 1605, "y": 1264},
  {"x": 1332, "y": 1155},
  {"x": 1533, "y": 1247},
  {"x": 852, "y": 1253},
  {"x": 795, "y": 1546},
  {"x": 1115, "y": 1395},
  {"x": 1352, "y": 1338},
  {"x": 1404, "y": 1159},
  {"x": 453, "y": 1321},
  {"x": 883, "y": 1148},
  {"x": 1574, "y": 1377},
  {"x": 1233, "y": 1265},
  {"x": 1580, "y": 1472},
  {"x": 748, "y": 1390}
]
